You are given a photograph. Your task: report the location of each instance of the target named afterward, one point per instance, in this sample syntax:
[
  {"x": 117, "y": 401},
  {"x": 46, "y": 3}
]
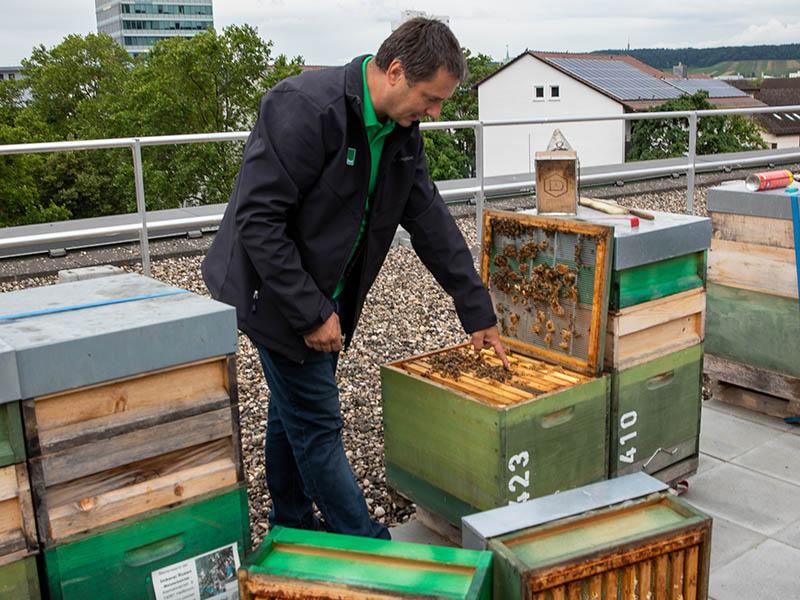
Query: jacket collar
[{"x": 354, "y": 90}]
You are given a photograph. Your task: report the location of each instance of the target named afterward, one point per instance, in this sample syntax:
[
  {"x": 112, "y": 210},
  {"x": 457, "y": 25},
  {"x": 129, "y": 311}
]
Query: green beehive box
[
  {"x": 458, "y": 445},
  {"x": 19, "y": 580},
  {"x": 12, "y": 443},
  {"x": 652, "y": 547},
  {"x": 119, "y": 563},
  {"x": 752, "y": 328},
  {"x": 293, "y": 563},
  {"x": 655, "y": 280},
  {"x": 655, "y": 413}
]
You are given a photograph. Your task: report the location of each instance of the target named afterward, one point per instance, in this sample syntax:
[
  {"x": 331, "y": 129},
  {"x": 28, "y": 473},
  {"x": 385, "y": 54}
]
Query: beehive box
[
  {"x": 19, "y": 580},
  {"x": 456, "y": 445},
  {"x": 128, "y": 395},
  {"x": 557, "y": 182},
  {"x": 655, "y": 546},
  {"x": 17, "y": 525},
  {"x": 12, "y": 442},
  {"x": 292, "y": 563},
  {"x": 753, "y": 317},
  {"x": 166, "y": 546},
  {"x": 655, "y": 413}
]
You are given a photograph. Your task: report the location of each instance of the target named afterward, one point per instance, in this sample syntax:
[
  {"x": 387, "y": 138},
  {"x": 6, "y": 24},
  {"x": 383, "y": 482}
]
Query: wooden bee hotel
[{"x": 464, "y": 435}]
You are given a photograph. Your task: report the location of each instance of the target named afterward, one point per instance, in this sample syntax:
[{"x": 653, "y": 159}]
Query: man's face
[{"x": 413, "y": 102}]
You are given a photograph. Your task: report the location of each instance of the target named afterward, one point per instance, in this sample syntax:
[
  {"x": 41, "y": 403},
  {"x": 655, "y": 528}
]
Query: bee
[
  {"x": 537, "y": 329},
  {"x": 548, "y": 339},
  {"x": 540, "y": 316},
  {"x": 543, "y": 245},
  {"x": 523, "y": 268},
  {"x": 514, "y": 319},
  {"x": 551, "y": 327},
  {"x": 564, "y": 345}
]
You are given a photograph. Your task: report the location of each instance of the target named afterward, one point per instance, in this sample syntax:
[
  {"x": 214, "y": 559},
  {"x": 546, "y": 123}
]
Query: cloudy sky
[{"x": 333, "y": 31}]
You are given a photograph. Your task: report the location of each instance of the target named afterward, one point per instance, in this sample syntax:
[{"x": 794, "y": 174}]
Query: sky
[{"x": 333, "y": 31}]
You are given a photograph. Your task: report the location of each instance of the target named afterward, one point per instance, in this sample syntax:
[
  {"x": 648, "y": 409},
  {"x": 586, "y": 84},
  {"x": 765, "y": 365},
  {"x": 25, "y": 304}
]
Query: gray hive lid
[
  {"x": 55, "y": 352},
  {"x": 667, "y": 236},
  {"x": 477, "y": 529},
  {"x": 737, "y": 199}
]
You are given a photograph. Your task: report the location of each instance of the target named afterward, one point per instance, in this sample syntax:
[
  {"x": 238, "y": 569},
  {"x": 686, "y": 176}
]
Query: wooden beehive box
[
  {"x": 20, "y": 580},
  {"x": 17, "y": 524},
  {"x": 292, "y": 563},
  {"x": 753, "y": 323},
  {"x": 652, "y": 547},
  {"x": 164, "y": 549},
  {"x": 456, "y": 445},
  {"x": 655, "y": 415},
  {"x": 128, "y": 394},
  {"x": 557, "y": 182}
]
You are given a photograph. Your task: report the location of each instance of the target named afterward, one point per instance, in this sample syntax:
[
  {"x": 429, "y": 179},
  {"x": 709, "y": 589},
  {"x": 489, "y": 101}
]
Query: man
[{"x": 334, "y": 163}]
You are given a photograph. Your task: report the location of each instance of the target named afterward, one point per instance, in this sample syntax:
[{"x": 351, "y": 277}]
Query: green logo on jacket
[{"x": 351, "y": 157}]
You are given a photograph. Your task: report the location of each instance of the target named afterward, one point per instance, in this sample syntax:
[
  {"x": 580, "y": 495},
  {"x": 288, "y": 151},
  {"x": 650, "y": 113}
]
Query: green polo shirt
[{"x": 376, "y": 135}]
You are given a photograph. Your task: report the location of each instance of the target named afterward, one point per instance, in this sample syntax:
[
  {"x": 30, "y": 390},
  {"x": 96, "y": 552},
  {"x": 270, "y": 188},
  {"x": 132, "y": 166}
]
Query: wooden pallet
[
  {"x": 108, "y": 452},
  {"x": 769, "y": 392},
  {"x": 646, "y": 331}
]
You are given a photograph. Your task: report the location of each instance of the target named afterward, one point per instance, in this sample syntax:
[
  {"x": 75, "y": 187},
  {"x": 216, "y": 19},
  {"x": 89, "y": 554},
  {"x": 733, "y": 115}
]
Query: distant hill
[
  {"x": 753, "y": 59},
  {"x": 750, "y": 68}
]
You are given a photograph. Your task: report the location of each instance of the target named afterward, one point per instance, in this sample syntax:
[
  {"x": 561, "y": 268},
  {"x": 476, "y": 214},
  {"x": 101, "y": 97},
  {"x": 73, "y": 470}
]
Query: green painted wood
[
  {"x": 571, "y": 541},
  {"x": 20, "y": 580},
  {"x": 419, "y": 569},
  {"x": 487, "y": 456},
  {"x": 12, "y": 442},
  {"x": 117, "y": 563},
  {"x": 656, "y": 405},
  {"x": 753, "y": 328},
  {"x": 657, "y": 280}
]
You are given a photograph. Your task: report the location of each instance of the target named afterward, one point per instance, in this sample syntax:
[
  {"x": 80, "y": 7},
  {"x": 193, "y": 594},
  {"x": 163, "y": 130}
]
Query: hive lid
[
  {"x": 59, "y": 337},
  {"x": 548, "y": 278},
  {"x": 735, "y": 198}
]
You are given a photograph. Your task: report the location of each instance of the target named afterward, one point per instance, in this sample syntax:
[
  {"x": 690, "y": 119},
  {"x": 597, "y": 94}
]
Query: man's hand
[
  {"x": 490, "y": 338},
  {"x": 328, "y": 337}
]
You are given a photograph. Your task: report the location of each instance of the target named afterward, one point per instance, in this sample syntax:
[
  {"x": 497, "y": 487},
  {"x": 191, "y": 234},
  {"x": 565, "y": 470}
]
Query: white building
[{"x": 548, "y": 84}]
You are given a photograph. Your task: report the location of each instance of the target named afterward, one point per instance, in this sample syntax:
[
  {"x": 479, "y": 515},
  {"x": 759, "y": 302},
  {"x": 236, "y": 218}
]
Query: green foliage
[
  {"x": 451, "y": 154},
  {"x": 666, "y": 58},
  {"x": 668, "y": 138},
  {"x": 88, "y": 87}
]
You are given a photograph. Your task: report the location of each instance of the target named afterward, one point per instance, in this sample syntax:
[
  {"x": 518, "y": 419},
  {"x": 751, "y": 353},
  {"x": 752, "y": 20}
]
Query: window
[
  {"x": 11, "y": 76},
  {"x": 1, "y": 77},
  {"x": 538, "y": 92},
  {"x": 555, "y": 92},
  {"x": 774, "y": 145}
]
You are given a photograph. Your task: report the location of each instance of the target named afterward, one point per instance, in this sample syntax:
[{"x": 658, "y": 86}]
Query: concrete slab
[
  {"x": 779, "y": 457},
  {"x": 95, "y": 272},
  {"x": 790, "y": 535},
  {"x": 729, "y": 541},
  {"x": 414, "y": 531},
  {"x": 725, "y": 437},
  {"x": 749, "y": 499},
  {"x": 748, "y": 415},
  {"x": 706, "y": 463},
  {"x": 768, "y": 571}
]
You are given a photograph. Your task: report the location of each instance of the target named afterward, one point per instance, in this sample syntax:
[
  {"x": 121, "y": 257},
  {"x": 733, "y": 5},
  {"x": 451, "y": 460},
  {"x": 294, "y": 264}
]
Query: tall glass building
[{"x": 138, "y": 24}]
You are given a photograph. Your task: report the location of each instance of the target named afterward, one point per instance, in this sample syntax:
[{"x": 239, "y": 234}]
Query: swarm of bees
[
  {"x": 458, "y": 361},
  {"x": 538, "y": 289}
]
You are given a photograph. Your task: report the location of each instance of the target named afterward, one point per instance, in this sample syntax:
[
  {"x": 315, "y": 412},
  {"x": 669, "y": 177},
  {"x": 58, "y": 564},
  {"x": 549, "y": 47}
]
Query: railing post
[
  {"x": 480, "y": 197},
  {"x": 141, "y": 209},
  {"x": 690, "y": 169}
]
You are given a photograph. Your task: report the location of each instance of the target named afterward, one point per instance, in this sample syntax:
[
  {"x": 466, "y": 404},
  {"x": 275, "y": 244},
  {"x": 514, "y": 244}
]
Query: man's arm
[
  {"x": 283, "y": 157},
  {"x": 441, "y": 247}
]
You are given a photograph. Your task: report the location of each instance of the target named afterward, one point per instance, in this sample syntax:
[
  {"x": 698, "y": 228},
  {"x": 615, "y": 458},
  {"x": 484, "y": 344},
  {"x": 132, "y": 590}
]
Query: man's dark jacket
[{"x": 297, "y": 205}]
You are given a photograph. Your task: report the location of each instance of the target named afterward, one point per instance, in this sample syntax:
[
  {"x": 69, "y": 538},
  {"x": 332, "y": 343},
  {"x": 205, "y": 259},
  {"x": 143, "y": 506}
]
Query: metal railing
[{"x": 137, "y": 143}]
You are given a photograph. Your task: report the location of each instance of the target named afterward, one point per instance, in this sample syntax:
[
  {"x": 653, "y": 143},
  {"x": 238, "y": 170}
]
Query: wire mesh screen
[{"x": 542, "y": 282}]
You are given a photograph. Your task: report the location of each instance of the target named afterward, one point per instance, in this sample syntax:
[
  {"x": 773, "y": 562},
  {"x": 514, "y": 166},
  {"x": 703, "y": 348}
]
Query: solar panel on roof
[
  {"x": 617, "y": 78},
  {"x": 715, "y": 89}
]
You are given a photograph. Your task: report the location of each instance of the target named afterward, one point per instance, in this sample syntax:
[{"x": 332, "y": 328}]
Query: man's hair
[{"x": 423, "y": 46}]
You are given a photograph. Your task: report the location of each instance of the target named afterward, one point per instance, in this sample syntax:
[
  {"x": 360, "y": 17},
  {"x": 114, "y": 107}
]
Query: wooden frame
[
  {"x": 604, "y": 236},
  {"x": 18, "y": 537},
  {"x": 649, "y": 330},
  {"x": 145, "y": 442},
  {"x": 669, "y": 562}
]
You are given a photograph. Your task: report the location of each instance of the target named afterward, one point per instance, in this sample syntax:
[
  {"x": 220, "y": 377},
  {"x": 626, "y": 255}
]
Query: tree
[
  {"x": 451, "y": 153},
  {"x": 668, "y": 138},
  {"x": 208, "y": 83}
]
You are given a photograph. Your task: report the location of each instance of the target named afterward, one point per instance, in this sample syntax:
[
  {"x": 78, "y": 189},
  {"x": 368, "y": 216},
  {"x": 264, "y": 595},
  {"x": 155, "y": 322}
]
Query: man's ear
[{"x": 395, "y": 73}]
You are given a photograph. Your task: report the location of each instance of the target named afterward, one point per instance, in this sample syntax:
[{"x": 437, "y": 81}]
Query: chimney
[{"x": 680, "y": 70}]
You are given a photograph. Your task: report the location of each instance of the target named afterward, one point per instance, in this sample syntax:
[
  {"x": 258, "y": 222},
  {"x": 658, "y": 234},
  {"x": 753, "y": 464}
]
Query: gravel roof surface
[{"x": 407, "y": 313}]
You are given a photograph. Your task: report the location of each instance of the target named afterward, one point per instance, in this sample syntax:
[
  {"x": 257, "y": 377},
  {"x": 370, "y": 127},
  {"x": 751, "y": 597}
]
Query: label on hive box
[{"x": 209, "y": 576}]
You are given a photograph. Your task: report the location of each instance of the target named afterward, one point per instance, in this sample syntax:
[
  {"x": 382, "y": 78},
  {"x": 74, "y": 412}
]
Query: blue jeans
[{"x": 305, "y": 459}]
